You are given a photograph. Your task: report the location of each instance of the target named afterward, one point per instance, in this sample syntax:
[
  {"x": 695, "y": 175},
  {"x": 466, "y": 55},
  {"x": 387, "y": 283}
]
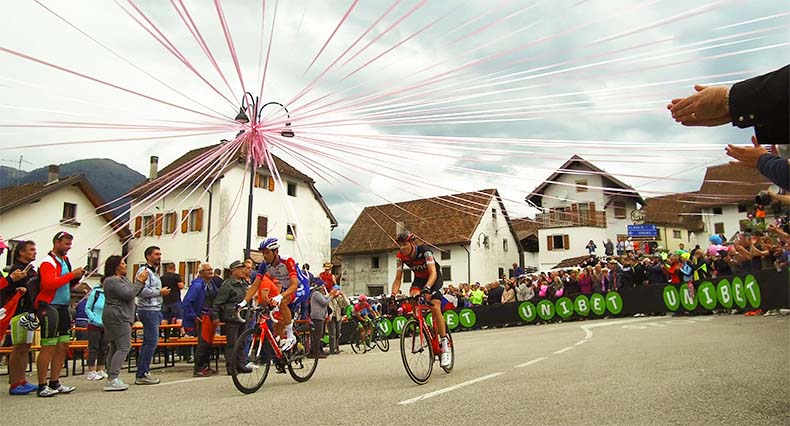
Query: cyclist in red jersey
[
  {"x": 283, "y": 273},
  {"x": 426, "y": 280}
]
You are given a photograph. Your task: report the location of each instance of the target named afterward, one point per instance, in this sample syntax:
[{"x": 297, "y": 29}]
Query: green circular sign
[
  {"x": 671, "y": 298},
  {"x": 527, "y": 311},
  {"x": 468, "y": 318},
  {"x": 688, "y": 298},
  {"x": 451, "y": 319},
  {"x": 564, "y": 307},
  {"x": 724, "y": 293},
  {"x": 706, "y": 294},
  {"x": 614, "y": 302},
  {"x": 752, "y": 291},
  {"x": 385, "y": 326},
  {"x": 581, "y": 305},
  {"x": 545, "y": 309},
  {"x": 597, "y": 304},
  {"x": 398, "y": 323},
  {"x": 738, "y": 292}
]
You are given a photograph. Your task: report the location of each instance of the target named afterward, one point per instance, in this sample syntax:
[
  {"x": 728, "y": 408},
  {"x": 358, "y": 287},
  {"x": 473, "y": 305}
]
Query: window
[
  {"x": 292, "y": 189},
  {"x": 501, "y": 273},
  {"x": 290, "y": 232},
  {"x": 676, "y": 234},
  {"x": 581, "y": 185},
  {"x": 446, "y": 273},
  {"x": 375, "y": 290},
  {"x": 374, "y": 262},
  {"x": 445, "y": 255},
  {"x": 11, "y": 246},
  {"x": 493, "y": 214},
  {"x": 557, "y": 242},
  {"x": 718, "y": 228},
  {"x": 148, "y": 226},
  {"x": 93, "y": 260},
  {"x": 407, "y": 275},
  {"x": 619, "y": 209},
  {"x": 504, "y": 245},
  {"x": 170, "y": 222},
  {"x": 263, "y": 226},
  {"x": 741, "y": 208},
  {"x": 188, "y": 270},
  {"x": 717, "y": 210},
  {"x": 69, "y": 211},
  {"x": 261, "y": 181},
  {"x": 196, "y": 220}
]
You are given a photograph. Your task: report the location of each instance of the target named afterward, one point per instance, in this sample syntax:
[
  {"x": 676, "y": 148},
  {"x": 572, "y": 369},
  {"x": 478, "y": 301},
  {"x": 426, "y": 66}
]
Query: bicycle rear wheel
[
  {"x": 253, "y": 347},
  {"x": 449, "y": 368},
  {"x": 381, "y": 340},
  {"x": 416, "y": 352},
  {"x": 356, "y": 343},
  {"x": 300, "y": 366}
]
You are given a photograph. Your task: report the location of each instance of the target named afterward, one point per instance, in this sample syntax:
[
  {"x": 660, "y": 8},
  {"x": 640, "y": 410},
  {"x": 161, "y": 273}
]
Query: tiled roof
[
  {"x": 525, "y": 227},
  {"x": 731, "y": 184},
  {"x": 572, "y": 262},
  {"x": 675, "y": 210},
  {"x": 15, "y": 196},
  {"x": 449, "y": 219}
]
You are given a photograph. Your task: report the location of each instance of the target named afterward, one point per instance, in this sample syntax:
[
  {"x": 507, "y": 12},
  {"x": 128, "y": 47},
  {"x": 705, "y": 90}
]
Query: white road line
[
  {"x": 563, "y": 350},
  {"x": 581, "y": 342},
  {"x": 182, "y": 381},
  {"x": 534, "y": 361},
  {"x": 449, "y": 389}
]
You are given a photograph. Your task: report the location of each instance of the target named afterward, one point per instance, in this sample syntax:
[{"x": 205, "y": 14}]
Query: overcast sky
[{"x": 572, "y": 72}]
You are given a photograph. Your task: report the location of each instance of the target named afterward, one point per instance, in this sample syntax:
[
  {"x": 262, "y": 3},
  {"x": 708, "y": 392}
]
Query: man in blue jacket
[{"x": 199, "y": 318}]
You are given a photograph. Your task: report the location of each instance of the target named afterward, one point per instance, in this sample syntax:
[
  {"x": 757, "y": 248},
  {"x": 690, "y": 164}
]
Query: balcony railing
[{"x": 558, "y": 219}]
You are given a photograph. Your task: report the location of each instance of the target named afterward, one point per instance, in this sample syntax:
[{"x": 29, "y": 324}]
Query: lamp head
[{"x": 241, "y": 117}]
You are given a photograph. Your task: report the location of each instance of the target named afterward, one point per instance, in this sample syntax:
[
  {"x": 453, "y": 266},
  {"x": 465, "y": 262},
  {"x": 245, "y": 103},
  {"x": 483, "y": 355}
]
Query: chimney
[
  {"x": 154, "y": 168},
  {"x": 54, "y": 174}
]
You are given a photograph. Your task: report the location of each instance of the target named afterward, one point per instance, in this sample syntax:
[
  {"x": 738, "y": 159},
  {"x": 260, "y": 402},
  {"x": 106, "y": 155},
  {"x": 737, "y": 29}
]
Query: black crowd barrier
[{"x": 769, "y": 289}]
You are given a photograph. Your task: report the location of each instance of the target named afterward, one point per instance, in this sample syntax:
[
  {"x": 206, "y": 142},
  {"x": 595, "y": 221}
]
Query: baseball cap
[{"x": 236, "y": 264}]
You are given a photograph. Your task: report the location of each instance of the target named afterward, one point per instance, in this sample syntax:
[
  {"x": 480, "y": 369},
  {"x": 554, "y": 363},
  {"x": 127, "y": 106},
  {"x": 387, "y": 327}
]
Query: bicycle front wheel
[
  {"x": 416, "y": 352},
  {"x": 381, "y": 340},
  {"x": 300, "y": 365},
  {"x": 255, "y": 352}
]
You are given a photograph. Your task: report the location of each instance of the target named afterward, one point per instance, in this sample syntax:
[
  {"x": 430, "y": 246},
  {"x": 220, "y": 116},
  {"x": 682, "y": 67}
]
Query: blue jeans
[{"x": 151, "y": 321}]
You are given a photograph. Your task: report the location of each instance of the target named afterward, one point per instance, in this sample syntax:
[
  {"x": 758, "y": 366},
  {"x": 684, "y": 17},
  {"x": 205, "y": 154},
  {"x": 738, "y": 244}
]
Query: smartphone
[{"x": 28, "y": 268}]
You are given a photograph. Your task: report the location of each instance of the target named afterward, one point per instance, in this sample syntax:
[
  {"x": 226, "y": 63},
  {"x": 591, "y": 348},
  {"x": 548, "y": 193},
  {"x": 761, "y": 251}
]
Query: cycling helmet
[
  {"x": 270, "y": 244},
  {"x": 29, "y": 322},
  {"x": 362, "y": 298},
  {"x": 405, "y": 237}
]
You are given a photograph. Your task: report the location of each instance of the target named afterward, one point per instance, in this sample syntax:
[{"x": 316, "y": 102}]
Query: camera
[{"x": 763, "y": 198}]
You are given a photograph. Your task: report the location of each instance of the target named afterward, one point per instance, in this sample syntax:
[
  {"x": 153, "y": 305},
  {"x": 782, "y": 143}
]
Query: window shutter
[
  {"x": 172, "y": 223},
  {"x": 263, "y": 225},
  {"x": 158, "y": 224},
  {"x": 138, "y": 223},
  {"x": 184, "y": 221},
  {"x": 271, "y": 183},
  {"x": 199, "y": 220},
  {"x": 566, "y": 242},
  {"x": 550, "y": 242},
  {"x": 182, "y": 268},
  {"x": 592, "y": 206}
]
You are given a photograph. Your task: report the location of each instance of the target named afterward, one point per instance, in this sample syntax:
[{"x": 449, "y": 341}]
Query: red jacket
[{"x": 51, "y": 279}]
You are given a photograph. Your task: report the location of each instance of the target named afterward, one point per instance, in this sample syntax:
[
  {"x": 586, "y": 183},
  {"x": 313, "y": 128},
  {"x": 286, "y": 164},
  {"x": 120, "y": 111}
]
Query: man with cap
[
  {"x": 327, "y": 277},
  {"x": 230, "y": 294},
  {"x": 337, "y": 307}
]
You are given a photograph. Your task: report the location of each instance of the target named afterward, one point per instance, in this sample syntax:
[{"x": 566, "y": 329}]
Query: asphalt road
[{"x": 660, "y": 370}]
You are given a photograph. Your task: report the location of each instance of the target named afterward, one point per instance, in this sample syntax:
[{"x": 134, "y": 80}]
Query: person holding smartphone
[{"x": 22, "y": 329}]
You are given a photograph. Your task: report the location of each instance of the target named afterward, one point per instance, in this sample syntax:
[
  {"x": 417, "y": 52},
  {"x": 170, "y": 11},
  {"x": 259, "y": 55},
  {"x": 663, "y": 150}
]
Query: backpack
[{"x": 34, "y": 283}]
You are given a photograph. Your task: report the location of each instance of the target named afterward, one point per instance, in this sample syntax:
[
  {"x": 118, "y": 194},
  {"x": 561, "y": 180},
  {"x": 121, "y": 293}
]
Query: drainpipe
[
  {"x": 208, "y": 227},
  {"x": 468, "y": 265}
]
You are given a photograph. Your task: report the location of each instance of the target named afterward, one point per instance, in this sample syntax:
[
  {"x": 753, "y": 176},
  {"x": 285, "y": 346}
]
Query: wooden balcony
[{"x": 558, "y": 219}]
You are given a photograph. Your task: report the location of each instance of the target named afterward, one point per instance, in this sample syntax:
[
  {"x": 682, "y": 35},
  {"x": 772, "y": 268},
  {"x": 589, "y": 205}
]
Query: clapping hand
[{"x": 707, "y": 107}]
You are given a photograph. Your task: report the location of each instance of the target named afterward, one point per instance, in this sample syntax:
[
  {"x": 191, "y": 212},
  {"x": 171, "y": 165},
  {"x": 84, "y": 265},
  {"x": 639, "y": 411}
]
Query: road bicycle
[
  {"x": 419, "y": 344},
  {"x": 259, "y": 349},
  {"x": 377, "y": 336}
]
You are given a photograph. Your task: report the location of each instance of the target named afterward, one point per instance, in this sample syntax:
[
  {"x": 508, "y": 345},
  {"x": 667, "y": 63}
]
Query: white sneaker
[
  {"x": 47, "y": 392},
  {"x": 287, "y": 343},
  {"x": 102, "y": 374},
  {"x": 251, "y": 365},
  {"x": 92, "y": 376},
  {"x": 115, "y": 385},
  {"x": 445, "y": 359},
  {"x": 63, "y": 389}
]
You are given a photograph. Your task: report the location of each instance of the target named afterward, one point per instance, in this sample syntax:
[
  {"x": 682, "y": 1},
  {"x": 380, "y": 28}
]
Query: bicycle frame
[
  {"x": 432, "y": 333},
  {"x": 266, "y": 333}
]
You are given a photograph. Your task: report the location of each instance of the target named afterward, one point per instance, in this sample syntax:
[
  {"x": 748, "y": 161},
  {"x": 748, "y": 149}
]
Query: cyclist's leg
[
  {"x": 437, "y": 317},
  {"x": 286, "y": 317}
]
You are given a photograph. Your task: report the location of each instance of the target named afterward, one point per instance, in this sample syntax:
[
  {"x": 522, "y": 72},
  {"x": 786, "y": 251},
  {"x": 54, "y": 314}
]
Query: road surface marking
[
  {"x": 534, "y": 361},
  {"x": 580, "y": 342},
  {"x": 182, "y": 381},
  {"x": 563, "y": 350},
  {"x": 449, "y": 389}
]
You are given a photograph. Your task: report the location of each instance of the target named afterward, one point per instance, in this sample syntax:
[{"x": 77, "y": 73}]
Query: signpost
[{"x": 650, "y": 231}]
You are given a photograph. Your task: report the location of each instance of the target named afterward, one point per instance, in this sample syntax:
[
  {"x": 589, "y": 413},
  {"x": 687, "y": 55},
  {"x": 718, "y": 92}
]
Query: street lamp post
[{"x": 248, "y": 102}]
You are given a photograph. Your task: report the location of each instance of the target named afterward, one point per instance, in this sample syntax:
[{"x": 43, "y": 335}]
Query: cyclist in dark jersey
[{"x": 427, "y": 281}]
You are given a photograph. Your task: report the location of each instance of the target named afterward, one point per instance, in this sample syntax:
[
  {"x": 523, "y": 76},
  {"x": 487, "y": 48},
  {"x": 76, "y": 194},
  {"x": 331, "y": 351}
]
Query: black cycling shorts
[
  {"x": 436, "y": 288},
  {"x": 55, "y": 323}
]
